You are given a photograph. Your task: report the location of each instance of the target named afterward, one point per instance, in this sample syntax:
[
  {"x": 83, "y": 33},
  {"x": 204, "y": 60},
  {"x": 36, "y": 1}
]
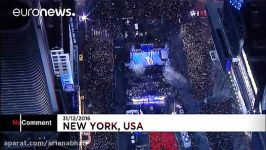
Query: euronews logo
[{"x": 42, "y": 12}]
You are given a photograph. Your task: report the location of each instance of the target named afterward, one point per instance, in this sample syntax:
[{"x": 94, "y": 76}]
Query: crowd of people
[
  {"x": 99, "y": 62},
  {"x": 223, "y": 106},
  {"x": 110, "y": 13},
  {"x": 150, "y": 83},
  {"x": 219, "y": 140},
  {"x": 108, "y": 16},
  {"x": 106, "y": 19},
  {"x": 99, "y": 73},
  {"x": 152, "y": 10},
  {"x": 197, "y": 59},
  {"x": 103, "y": 141}
]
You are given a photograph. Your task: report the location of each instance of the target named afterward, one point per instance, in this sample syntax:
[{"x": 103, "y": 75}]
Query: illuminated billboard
[{"x": 67, "y": 81}]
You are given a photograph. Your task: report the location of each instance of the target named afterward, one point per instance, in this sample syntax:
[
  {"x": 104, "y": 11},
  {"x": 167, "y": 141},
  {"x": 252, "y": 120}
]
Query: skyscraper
[
  {"x": 27, "y": 80},
  {"x": 238, "y": 29}
]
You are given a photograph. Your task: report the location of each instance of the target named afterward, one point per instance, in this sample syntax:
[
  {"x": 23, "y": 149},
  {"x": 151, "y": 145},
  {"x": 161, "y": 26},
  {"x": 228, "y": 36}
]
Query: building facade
[
  {"x": 241, "y": 51},
  {"x": 27, "y": 81},
  {"x": 62, "y": 68}
]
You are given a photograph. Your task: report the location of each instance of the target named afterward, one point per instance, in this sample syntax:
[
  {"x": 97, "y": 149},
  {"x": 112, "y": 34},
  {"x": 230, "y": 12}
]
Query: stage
[{"x": 147, "y": 55}]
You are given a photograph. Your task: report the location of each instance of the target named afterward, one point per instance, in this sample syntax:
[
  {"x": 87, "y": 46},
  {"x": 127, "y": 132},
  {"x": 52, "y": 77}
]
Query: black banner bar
[
  {"x": 39, "y": 123},
  {"x": 9, "y": 123},
  {"x": 28, "y": 123}
]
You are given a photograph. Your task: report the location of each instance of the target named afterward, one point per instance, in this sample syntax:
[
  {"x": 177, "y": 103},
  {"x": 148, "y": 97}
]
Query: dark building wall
[
  {"x": 233, "y": 26},
  {"x": 222, "y": 45},
  {"x": 57, "y": 27},
  {"x": 253, "y": 14},
  {"x": 53, "y": 24},
  {"x": 249, "y": 24},
  {"x": 27, "y": 84},
  {"x": 241, "y": 28}
]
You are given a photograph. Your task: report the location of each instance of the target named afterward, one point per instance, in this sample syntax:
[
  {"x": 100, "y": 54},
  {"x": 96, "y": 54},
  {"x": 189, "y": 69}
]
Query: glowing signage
[
  {"x": 67, "y": 82},
  {"x": 149, "y": 100},
  {"x": 228, "y": 65},
  {"x": 69, "y": 87}
]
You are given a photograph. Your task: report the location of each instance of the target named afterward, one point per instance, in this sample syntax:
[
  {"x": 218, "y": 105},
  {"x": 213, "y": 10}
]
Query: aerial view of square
[{"x": 134, "y": 57}]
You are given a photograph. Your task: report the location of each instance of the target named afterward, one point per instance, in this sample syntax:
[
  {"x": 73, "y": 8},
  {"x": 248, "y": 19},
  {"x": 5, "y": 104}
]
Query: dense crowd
[
  {"x": 103, "y": 141},
  {"x": 110, "y": 13},
  {"x": 106, "y": 19},
  {"x": 102, "y": 26},
  {"x": 149, "y": 10},
  {"x": 99, "y": 73},
  {"x": 197, "y": 59},
  {"x": 223, "y": 106},
  {"x": 219, "y": 140},
  {"x": 152, "y": 82},
  {"x": 105, "y": 22}
]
